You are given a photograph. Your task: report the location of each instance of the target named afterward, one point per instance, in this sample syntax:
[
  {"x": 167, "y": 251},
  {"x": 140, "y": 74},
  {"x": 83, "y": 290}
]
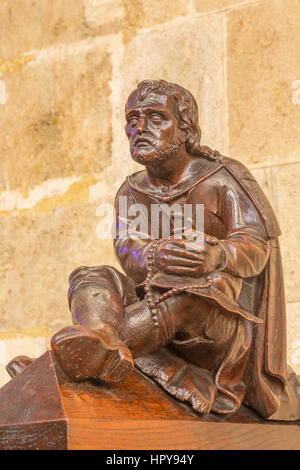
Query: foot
[
  {"x": 84, "y": 353},
  {"x": 18, "y": 364}
]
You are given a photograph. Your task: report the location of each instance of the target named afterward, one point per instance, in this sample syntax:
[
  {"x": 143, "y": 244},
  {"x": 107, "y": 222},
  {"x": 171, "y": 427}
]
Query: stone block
[
  {"x": 162, "y": 11},
  {"x": 28, "y": 343},
  {"x": 205, "y": 6},
  {"x": 101, "y": 12},
  {"x": 55, "y": 22},
  {"x": 263, "y": 65},
  {"x": 264, "y": 177},
  {"x": 188, "y": 52},
  {"x": 129, "y": 16},
  {"x": 39, "y": 251},
  {"x": 287, "y": 189},
  {"x": 281, "y": 185},
  {"x": 28, "y": 25},
  {"x": 293, "y": 335},
  {"x": 4, "y": 377},
  {"x": 56, "y": 121}
]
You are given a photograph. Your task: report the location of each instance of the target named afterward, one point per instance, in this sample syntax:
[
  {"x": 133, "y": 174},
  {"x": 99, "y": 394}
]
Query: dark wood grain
[
  {"x": 47, "y": 435},
  {"x": 176, "y": 435},
  {"x": 31, "y": 411}
]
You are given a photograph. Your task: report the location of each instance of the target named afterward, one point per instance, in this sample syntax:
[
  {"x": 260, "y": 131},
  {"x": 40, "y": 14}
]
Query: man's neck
[{"x": 170, "y": 172}]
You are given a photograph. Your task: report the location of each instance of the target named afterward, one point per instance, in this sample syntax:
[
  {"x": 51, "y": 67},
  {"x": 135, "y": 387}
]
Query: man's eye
[
  {"x": 156, "y": 118},
  {"x": 132, "y": 121}
]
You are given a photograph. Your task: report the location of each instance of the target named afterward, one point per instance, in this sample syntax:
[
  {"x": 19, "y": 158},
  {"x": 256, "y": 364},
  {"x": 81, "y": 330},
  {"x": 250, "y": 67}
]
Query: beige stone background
[{"x": 66, "y": 68}]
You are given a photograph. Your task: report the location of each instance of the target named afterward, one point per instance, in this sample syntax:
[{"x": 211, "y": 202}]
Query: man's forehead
[{"x": 157, "y": 100}]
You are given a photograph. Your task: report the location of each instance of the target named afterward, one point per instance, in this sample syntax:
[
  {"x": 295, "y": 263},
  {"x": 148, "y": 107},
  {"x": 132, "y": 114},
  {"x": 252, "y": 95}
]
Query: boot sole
[{"x": 84, "y": 353}]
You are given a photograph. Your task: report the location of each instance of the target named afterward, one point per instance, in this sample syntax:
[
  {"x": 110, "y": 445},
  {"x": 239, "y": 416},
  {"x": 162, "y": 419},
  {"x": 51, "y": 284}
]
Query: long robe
[{"x": 246, "y": 295}]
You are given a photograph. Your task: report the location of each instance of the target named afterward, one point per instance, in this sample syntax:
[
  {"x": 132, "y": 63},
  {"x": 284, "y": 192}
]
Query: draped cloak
[{"x": 248, "y": 290}]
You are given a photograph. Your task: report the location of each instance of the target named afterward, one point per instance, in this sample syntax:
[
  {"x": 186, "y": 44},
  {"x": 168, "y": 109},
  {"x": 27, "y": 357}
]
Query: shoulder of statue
[
  {"x": 123, "y": 190},
  {"x": 251, "y": 187},
  {"x": 137, "y": 178},
  {"x": 128, "y": 185},
  {"x": 236, "y": 168}
]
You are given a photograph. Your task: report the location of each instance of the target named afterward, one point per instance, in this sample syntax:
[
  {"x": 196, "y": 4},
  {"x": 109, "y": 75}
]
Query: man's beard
[{"x": 157, "y": 155}]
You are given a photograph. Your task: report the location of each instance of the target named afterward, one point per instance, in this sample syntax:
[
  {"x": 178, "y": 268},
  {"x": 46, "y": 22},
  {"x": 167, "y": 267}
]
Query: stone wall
[{"x": 66, "y": 68}]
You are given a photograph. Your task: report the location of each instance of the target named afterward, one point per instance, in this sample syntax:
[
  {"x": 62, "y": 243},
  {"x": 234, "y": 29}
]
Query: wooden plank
[
  {"x": 180, "y": 435},
  {"x": 139, "y": 415}
]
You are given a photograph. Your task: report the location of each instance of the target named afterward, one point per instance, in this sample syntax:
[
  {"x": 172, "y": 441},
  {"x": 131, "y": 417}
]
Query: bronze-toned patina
[{"x": 205, "y": 320}]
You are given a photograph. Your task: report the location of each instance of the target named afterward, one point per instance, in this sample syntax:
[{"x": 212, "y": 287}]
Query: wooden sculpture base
[{"x": 42, "y": 409}]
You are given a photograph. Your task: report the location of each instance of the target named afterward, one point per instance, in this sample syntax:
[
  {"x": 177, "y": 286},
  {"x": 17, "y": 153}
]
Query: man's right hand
[{"x": 189, "y": 258}]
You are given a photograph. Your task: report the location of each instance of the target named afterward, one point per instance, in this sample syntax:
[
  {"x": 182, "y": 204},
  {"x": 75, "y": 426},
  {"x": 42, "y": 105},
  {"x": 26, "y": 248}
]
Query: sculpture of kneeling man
[{"x": 201, "y": 312}]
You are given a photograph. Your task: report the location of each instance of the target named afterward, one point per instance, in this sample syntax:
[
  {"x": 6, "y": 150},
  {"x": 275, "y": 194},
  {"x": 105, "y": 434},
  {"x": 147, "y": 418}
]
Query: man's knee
[
  {"x": 89, "y": 281},
  {"x": 89, "y": 278},
  {"x": 91, "y": 271}
]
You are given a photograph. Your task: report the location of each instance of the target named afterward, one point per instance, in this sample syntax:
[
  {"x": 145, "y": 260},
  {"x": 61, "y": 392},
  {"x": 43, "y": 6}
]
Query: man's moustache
[{"x": 144, "y": 139}]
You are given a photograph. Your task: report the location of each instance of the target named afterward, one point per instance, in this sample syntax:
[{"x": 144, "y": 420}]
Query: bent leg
[
  {"x": 112, "y": 324},
  {"x": 99, "y": 295},
  {"x": 93, "y": 348},
  {"x": 177, "y": 315}
]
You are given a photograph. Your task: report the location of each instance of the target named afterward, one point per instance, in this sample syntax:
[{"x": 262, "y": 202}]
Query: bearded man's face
[{"x": 153, "y": 128}]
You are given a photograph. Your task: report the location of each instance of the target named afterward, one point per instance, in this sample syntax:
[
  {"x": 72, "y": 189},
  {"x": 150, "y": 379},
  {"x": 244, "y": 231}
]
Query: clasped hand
[{"x": 189, "y": 257}]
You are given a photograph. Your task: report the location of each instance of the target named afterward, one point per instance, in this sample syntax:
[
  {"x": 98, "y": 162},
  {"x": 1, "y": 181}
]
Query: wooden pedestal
[{"x": 42, "y": 409}]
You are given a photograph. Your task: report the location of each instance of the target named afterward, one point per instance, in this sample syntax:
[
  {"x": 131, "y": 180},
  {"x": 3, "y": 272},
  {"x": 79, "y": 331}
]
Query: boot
[
  {"x": 105, "y": 354},
  {"x": 85, "y": 353}
]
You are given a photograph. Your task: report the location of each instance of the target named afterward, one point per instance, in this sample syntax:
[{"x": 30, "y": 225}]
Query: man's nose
[{"x": 141, "y": 125}]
